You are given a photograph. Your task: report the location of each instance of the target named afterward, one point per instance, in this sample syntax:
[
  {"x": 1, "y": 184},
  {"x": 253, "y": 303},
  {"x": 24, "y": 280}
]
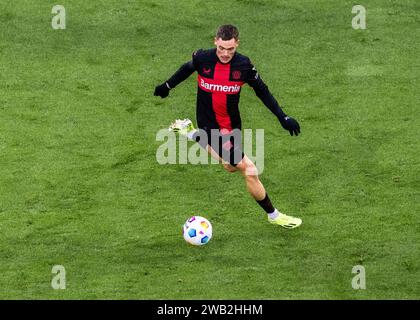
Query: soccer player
[{"x": 221, "y": 73}]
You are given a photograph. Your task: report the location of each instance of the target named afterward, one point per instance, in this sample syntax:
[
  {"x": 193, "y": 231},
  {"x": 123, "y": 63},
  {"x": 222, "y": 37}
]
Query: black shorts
[{"x": 227, "y": 145}]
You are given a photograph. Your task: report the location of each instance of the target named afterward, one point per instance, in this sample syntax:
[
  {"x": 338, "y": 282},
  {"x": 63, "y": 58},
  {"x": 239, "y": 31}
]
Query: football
[{"x": 197, "y": 231}]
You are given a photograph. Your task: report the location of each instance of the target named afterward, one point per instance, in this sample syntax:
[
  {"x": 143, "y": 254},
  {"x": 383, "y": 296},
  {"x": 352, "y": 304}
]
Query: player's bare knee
[
  {"x": 229, "y": 168},
  {"x": 251, "y": 171}
]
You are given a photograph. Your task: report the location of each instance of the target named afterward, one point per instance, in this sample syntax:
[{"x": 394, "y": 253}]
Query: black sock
[{"x": 266, "y": 204}]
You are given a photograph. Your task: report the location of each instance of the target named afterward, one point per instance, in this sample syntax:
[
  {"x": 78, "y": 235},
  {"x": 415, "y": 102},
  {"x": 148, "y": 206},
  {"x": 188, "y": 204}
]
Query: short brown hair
[{"x": 227, "y": 32}]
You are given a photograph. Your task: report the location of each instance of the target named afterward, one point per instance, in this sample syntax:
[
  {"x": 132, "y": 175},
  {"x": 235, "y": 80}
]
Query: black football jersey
[{"x": 219, "y": 88}]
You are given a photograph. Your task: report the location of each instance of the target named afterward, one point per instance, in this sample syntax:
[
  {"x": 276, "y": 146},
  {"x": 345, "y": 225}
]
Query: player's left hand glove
[
  {"x": 162, "y": 90},
  {"x": 291, "y": 125}
]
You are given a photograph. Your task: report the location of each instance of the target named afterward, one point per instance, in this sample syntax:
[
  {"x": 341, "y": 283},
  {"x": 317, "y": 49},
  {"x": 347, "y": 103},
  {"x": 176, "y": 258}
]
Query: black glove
[
  {"x": 162, "y": 90},
  {"x": 290, "y": 124}
]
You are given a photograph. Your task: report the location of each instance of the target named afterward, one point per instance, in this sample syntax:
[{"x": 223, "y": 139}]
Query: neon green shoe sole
[
  {"x": 286, "y": 221},
  {"x": 182, "y": 127}
]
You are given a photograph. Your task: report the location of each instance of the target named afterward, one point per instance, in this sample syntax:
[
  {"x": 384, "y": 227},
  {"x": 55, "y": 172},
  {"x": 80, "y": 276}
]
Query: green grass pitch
[{"x": 80, "y": 185}]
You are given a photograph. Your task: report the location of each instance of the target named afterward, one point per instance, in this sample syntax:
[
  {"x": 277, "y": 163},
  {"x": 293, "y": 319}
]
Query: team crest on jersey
[{"x": 236, "y": 74}]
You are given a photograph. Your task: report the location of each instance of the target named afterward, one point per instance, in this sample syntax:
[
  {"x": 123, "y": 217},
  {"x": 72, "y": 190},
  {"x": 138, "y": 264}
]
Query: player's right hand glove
[
  {"x": 162, "y": 90},
  {"x": 290, "y": 124}
]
